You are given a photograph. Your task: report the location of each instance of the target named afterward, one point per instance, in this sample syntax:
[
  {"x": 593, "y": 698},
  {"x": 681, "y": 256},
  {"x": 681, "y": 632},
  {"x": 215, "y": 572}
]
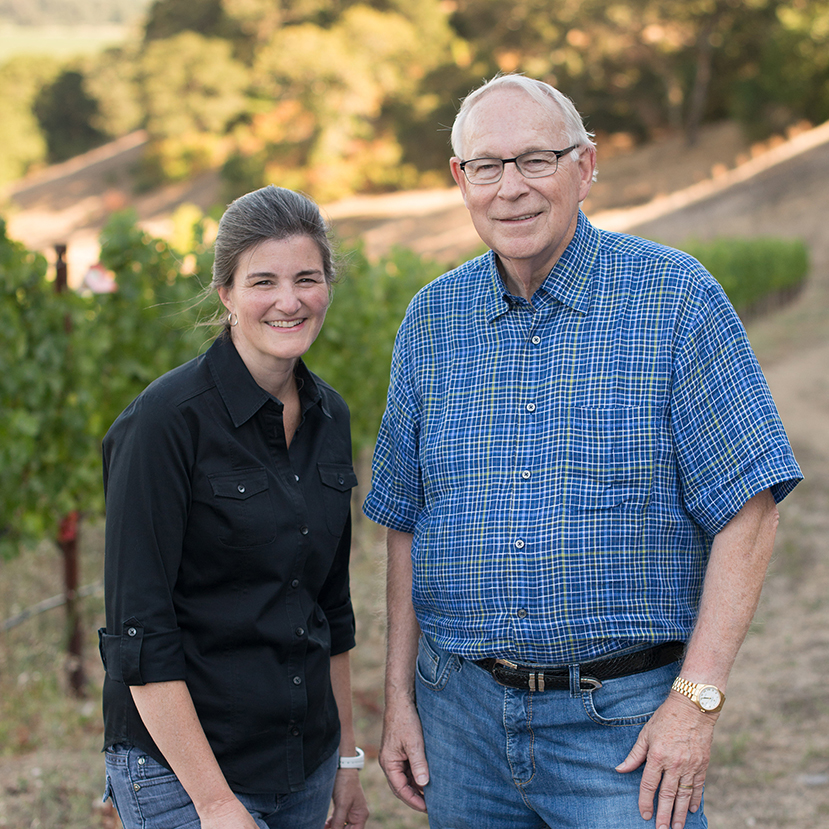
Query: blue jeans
[
  {"x": 501, "y": 758},
  {"x": 149, "y": 796}
]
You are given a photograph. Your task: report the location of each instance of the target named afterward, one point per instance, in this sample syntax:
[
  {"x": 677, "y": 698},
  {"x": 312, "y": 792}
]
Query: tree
[
  {"x": 66, "y": 114},
  {"x": 20, "y": 136}
]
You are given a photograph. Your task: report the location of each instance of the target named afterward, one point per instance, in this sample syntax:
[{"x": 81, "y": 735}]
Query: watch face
[{"x": 709, "y": 698}]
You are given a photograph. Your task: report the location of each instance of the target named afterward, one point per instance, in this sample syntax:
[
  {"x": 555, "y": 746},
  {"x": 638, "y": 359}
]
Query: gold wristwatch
[{"x": 708, "y": 698}]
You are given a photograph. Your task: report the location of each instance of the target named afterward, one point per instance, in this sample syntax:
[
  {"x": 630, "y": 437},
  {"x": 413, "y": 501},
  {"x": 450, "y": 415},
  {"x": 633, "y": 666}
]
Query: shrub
[{"x": 755, "y": 273}]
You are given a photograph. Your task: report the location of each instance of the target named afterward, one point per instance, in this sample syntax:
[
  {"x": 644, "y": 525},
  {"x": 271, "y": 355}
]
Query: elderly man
[{"x": 578, "y": 467}]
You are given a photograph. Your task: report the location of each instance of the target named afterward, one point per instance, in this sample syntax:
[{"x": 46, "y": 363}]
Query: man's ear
[{"x": 457, "y": 174}]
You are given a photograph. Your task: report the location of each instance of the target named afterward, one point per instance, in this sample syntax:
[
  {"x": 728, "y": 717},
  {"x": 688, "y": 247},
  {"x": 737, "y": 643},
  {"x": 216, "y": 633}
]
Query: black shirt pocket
[
  {"x": 242, "y": 506},
  {"x": 338, "y": 479}
]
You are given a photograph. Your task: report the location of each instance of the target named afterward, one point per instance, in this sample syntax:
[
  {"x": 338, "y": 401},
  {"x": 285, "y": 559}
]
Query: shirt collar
[
  {"x": 569, "y": 282},
  {"x": 241, "y": 393}
]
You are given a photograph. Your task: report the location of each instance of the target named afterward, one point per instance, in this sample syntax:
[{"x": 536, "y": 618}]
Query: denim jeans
[
  {"x": 501, "y": 758},
  {"x": 149, "y": 796}
]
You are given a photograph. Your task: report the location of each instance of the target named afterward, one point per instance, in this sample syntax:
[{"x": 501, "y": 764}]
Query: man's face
[{"x": 527, "y": 222}]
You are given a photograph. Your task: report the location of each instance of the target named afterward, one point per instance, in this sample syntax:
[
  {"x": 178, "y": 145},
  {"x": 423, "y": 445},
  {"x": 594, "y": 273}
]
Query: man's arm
[
  {"x": 402, "y": 754},
  {"x": 675, "y": 744},
  {"x": 350, "y": 807},
  {"x": 167, "y": 710}
]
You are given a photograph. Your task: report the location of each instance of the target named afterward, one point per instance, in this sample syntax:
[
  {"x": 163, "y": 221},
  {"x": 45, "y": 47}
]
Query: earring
[{"x": 230, "y": 320}]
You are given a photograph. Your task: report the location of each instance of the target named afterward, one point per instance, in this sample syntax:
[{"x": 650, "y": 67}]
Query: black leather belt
[{"x": 537, "y": 678}]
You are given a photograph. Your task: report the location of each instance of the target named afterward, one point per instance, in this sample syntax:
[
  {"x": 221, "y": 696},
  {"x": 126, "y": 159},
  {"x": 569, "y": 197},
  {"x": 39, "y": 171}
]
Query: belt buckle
[{"x": 535, "y": 679}]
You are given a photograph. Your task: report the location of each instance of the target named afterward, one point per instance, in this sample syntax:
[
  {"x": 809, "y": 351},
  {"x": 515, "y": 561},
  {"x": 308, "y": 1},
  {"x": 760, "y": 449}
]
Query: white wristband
[{"x": 357, "y": 762}]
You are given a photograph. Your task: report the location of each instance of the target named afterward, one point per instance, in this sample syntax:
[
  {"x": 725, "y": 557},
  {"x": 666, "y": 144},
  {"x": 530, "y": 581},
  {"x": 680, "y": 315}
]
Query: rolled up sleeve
[{"x": 147, "y": 461}]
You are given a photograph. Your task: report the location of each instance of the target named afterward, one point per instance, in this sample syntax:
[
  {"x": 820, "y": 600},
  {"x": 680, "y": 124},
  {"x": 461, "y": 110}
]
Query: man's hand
[
  {"x": 350, "y": 807},
  {"x": 675, "y": 746},
  {"x": 403, "y": 756}
]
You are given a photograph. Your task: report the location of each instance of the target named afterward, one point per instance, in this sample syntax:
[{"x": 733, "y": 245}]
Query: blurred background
[{"x": 126, "y": 126}]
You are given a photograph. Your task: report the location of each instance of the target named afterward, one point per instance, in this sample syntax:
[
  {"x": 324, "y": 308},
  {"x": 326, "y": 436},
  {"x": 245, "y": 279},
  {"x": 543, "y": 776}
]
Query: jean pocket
[
  {"x": 629, "y": 700},
  {"x": 434, "y": 665}
]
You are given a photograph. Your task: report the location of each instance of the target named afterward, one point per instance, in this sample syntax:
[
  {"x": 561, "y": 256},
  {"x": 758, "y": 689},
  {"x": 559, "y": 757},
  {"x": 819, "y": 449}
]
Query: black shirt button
[
  {"x": 295, "y": 583},
  {"x": 297, "y": 680},
  {"x": 241, "y": 488},
  {"x": 304, "y": 530},
  {"x": 300, "y": 631},
  {"x": 295, "y": 732},
  {"x": 131, "y": 632}
]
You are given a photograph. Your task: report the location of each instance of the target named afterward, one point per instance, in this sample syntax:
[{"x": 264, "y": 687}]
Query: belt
[{"x": 591, "y": 674}]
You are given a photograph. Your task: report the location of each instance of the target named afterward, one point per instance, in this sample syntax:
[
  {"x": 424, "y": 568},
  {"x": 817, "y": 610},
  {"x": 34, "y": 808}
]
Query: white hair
[{"x": 556, "y": 103}]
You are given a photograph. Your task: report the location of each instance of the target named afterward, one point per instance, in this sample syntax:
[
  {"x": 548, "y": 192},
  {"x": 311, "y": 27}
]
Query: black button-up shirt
[{"x": 227, "y": 565}]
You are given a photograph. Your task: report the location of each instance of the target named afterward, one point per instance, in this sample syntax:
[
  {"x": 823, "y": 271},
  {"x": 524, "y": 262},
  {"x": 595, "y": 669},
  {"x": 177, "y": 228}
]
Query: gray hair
[
  {"x": 269, "y": 213},
  {"x": 557, "y": 104}
]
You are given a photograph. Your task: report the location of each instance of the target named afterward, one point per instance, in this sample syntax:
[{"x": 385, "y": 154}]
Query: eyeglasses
[{"x": 536, "y": 164}]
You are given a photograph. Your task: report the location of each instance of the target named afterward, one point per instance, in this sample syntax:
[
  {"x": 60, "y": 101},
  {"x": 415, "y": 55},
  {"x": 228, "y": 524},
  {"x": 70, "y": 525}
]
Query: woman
[{"x": 227, "y": 700}]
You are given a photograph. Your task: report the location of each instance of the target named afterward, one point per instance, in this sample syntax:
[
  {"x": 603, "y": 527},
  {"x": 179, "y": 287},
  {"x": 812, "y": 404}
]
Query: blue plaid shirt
[{"x": 564, "y": 464}]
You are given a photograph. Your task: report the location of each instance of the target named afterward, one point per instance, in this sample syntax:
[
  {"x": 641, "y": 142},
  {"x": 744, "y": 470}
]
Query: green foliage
[
  {"x": 357, "y": 95},
  {"x": 111, "y": 79},
  {"x": 46, "y": 399},
  {"x": 754, "y": 272},
  {"x": 20, "y": 136},
  {"x": 66, "y": 114},
  {"x": 70, "y": 363},
  {"x": 353, "y": 350}
]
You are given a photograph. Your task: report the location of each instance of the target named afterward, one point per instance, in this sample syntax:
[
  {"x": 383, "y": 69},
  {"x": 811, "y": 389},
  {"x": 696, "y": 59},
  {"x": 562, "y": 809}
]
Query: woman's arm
[
  {"x": 167, "y": 711},
  {"x": 350, "y": 805}
]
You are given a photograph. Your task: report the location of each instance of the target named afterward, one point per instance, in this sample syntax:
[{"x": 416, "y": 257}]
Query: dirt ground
[{"x": 771, "y": 754}]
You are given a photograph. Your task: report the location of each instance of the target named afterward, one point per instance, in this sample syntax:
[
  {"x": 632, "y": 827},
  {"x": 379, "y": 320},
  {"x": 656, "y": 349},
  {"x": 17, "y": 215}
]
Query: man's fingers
[
  {"x": 638, "y": 754},
  {"x": 404, "y": 787}
]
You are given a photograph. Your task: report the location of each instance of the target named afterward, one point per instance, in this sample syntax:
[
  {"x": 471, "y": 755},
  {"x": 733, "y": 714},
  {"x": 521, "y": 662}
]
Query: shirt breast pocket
[
  {"x": 610, "y": 458},
  {"x": 338, "y": 479},
  {"x": 243, "y": 509}
]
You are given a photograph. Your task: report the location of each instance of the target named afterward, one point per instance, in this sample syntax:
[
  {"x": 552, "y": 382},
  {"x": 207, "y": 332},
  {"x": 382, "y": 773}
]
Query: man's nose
[{"x": 512, "y": 180}]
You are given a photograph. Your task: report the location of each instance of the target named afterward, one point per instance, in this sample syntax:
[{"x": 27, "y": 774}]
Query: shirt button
[
  {"x": 300, "y": 631},
  {"x": 522, "y": 614},
  {"x": 241, "y": 488},
  {"x": 526, "y": 474},
  {"x": 304, "y": 530},
  {"x": 536, "y": 340},
  {"x": 295, "y": 583},
  {"x": 297, "y": 477},
  {"x": 530, "y": 407},
  {"x": 297, "y": 680},
  {"x": 519, "y": 544},
  {"x": 131, "y": 632},
  {"x": 295, "y": 732},
  {"x": 341, "y": 480}
]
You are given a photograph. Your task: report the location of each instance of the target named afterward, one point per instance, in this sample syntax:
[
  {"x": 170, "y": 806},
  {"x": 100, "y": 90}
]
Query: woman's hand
[{"x": 350, "y": 807}]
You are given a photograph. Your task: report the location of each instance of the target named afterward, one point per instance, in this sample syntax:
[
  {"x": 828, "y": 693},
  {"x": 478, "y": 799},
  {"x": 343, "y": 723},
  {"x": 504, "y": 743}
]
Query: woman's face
[{"x": 280, "y": 296}]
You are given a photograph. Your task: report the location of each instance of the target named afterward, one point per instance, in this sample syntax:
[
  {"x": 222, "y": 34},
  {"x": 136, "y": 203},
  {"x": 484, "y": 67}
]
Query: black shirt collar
[{"x": 242, "y": 395}]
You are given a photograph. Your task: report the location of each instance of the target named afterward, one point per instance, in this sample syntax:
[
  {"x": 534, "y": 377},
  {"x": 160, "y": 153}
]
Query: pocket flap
[
  {"x": 339, "y": 476},
  {"x": 241, "y": 484}
]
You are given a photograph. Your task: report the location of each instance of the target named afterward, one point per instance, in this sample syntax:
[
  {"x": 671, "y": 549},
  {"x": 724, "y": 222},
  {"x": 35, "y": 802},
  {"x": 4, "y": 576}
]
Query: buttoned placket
[
  {"x": 526, "y": 323},
  {"x": 294, "y": 665}
]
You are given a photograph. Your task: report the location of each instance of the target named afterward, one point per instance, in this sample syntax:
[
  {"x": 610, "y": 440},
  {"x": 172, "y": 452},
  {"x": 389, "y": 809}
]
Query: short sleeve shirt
[{"x": 565, "y": 463}]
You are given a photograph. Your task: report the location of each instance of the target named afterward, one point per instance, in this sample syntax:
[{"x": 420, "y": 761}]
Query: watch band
[
  {"x": 694, "y": 691},
  {"x": 357, "y": 762}
]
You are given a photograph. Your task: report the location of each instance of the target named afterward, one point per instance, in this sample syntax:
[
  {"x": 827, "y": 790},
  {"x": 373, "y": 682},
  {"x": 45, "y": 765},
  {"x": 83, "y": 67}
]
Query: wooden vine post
[{"x": 68, "y": 543}]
